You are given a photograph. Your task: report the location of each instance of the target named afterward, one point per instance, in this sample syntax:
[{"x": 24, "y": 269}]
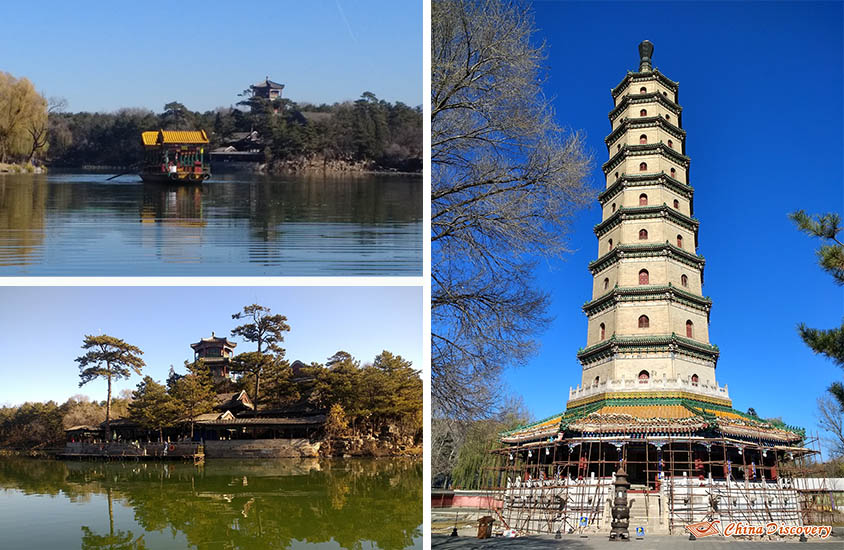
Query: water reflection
[
  {"x": 225, "y": 504},
  {"x": 81, "y": 224}
]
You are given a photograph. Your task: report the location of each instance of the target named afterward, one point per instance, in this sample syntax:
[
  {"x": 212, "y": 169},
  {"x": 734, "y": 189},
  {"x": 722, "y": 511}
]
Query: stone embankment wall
[
  {"x": 155, "y": 450},
  {"x": 262, "y": 448},
  {"x": 253, "y": 448}
]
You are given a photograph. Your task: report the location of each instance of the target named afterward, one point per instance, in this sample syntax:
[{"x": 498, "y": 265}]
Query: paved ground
[
  {"x": 443, "y": 520},
  {"x": 594, "y": 542}
]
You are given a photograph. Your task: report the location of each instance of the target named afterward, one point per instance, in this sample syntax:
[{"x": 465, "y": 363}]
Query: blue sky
[
  {"x": 761, "y": 91},
  {"x": 102, "y": 56},
  {"x": 43, "y": 328}
]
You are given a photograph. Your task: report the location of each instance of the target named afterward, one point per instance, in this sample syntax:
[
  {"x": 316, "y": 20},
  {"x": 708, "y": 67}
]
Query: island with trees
[
  {"x": 280, "y": 135},
  {"x": 255, "y": 403}
]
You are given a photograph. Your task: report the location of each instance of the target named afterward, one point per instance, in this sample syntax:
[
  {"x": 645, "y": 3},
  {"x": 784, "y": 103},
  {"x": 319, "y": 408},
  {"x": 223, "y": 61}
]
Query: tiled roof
[
  {"x": 174, "y": 136},
  {"x": 653, "y": 415},
  {"x": 648, "y": 411},
  {"x": 83, "y": 427},
  {"x": 267, "y": 83},
  {"x": 668, "y": 417},
  {"x": 214, "y": 340},
  {"x": 150, "y": 138},
  {"x": 297, "y": 421}
]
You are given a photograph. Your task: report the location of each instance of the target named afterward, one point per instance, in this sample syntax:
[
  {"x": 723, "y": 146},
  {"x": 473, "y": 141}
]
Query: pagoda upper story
[
  {"x": 216, "y": 353},
  {"x": 648, "y": 321}
]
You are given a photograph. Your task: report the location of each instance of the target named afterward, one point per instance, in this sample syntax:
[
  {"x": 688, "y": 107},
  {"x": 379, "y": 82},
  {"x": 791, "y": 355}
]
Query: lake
[
  {"x": 237, "y": 504},
  {"x": 79, "y": 224}
]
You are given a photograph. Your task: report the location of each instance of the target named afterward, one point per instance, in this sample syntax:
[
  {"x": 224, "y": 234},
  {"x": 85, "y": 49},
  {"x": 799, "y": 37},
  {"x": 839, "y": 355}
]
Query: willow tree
[
  {"x": 109, "y": 358},
  {"x": 21, "y": 108},
  {"x": 506, "y": 181},
  {"x": 266, "y": 331}
]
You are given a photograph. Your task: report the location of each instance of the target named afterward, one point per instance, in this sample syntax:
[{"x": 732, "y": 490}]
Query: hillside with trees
[
  {"x": 364, "y": 399},
  {"x": 368, "y": 132}
]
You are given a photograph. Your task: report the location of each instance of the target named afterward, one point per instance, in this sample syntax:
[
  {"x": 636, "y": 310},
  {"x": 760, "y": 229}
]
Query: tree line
[
  {"x": 367, "y": 130},
  {"x": 34, "y": 129},
  {"x": 372, "y": 397}
]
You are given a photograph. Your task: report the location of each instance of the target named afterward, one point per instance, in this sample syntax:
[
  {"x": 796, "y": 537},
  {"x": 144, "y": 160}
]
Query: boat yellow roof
[{"x": 174, "y": 136}]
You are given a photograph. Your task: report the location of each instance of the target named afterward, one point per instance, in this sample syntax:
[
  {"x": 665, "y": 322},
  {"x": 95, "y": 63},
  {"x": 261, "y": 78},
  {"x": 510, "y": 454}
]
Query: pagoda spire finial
[{"x": 646, "y": 51}]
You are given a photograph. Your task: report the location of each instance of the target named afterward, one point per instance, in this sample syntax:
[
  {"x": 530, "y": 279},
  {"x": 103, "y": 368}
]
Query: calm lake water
[
  {"x": 352, "y": 504},
  {"x": 233, "y": 225}
]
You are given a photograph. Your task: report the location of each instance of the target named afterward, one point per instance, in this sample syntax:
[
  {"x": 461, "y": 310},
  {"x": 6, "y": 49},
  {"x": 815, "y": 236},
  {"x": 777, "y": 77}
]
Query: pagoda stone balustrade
[{"x": 658, "y": 384}]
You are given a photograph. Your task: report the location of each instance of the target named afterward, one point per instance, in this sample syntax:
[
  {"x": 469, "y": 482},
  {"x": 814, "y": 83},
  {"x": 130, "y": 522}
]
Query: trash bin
[{"x": 485, "y": 527}]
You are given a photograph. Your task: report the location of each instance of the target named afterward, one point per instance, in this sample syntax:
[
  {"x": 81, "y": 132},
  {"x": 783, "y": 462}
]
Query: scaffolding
[{"x": 564, "y": 484}]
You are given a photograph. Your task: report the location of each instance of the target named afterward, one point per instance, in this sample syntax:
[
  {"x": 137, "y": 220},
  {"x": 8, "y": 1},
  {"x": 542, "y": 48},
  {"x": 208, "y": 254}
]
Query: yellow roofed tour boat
[{"x": 176, "y": 156}]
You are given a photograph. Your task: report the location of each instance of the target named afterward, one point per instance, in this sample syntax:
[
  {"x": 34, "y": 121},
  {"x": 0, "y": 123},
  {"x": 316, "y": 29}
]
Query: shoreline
[
  {"x": 58, "y": 454},
  {"x": 18, "y": 168},
  {"x": 106, "y": 169}
]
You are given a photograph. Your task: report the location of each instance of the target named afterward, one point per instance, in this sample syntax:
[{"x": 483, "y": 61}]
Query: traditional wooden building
[
  {"x": 267, "y": 89},
  {"x": 234, "y": 428},
  {"x": 216, "y": 353},
  {"x": 648, "y": 399}
]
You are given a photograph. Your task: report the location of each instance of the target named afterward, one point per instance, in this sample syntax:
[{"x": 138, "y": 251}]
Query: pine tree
[
  {"x": 280, "y": 388},
  {"x": 267, "y": 332},
  {"x": 110, "y": 358},
  {"x": 829, "y": 342},
  {"x": 152, "y": 407},
  {"x": 193, "y": 394}
]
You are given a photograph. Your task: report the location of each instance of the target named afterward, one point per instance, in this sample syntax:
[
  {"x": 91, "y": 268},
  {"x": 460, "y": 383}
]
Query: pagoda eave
[
  {"x": 644, "y": 150},
  {"x": 647, "y": 293},
  {"x": 645, "y": 180},
  {"x": 635, "y": 76},
  {"x": 646, "y": 212},
  {"x": 634, "y": 99},
  {"x": 644, "y": 344},
  {"x": 645, "y": 122}
]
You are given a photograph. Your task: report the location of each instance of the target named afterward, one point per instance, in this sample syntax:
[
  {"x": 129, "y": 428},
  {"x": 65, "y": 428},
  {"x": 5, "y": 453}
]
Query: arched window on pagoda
[
  {"x": 597, "y": 380},
  {"x": 671, "y": 144},
  {"x": 664, "y": 94},
  {"x": 676, "y": 204},
  {"x": 644, "y": 322},
  {"x": 643, "y": 234},
  {"x": 667, "y": 117},
  {"x": 643, "y": 200},
  {"x": 643, "y": 112},
  {"x": 603, "y": 330},
  {"x": 689, "y": 329},
  {"x": 674, "y": 173},
  {"x": 695, "y": 380},
  {"x": 606, "y": 283},
  {"x": 613, "y": 207},
  {"x": 643, "y": 166},
  {"x": 679, "y": 241},
  {"x": 616, "y": 175},
  {"x": 644, "y": 277},
  {"x": 644, "y": 376},
  {"x": 643, "y": 139},
  {"x": 643, "y": 90},
  {"x": 684, "y": 280},
  {"x": 618, "y": 147},
  {"x": 609, "y": 245}
]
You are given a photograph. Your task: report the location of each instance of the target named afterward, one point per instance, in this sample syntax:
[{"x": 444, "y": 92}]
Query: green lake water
[{"x": 225, "y": 504}]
